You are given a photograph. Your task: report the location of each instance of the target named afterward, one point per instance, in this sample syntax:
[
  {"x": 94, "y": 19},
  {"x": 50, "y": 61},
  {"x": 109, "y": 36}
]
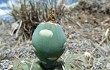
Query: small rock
[
  {"x": 86, "y": 21},
  {"x": 69, "y": 26},
  {"x": 10, "y": 67},
  {"x": 108, "y": 66}
]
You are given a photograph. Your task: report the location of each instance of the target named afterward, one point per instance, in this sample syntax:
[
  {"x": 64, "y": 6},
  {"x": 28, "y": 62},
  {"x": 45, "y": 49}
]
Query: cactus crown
[{"x": 52, "y": 15}]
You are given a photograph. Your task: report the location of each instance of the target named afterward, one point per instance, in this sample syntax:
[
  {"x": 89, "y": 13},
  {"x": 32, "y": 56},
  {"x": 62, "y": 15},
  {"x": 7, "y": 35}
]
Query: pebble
[{"x": 108, "y": 66}]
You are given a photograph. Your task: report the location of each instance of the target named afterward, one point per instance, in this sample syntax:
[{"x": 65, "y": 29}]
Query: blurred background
[{"x": 4, "y": 8}]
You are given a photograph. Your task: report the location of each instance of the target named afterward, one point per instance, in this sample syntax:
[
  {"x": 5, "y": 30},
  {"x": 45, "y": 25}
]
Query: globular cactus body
[{"x": 49, "y": 41}]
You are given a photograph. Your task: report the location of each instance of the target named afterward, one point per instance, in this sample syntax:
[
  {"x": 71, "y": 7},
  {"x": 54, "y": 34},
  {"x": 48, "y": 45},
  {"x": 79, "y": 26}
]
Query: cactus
[
  {"x": 49, "y": 41},
  {"x": 20, "y": 64},
  {"x": 48, "y": 38}
]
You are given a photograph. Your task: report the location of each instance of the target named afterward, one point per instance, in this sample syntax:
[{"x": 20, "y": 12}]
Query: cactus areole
[{"x": 49, "y": 41}]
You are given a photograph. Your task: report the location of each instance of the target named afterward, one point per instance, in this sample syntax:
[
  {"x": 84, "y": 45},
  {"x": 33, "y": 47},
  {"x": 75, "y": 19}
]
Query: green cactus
[
  {"x": 49, "y": 42},
  {"x": 20, "y": 64}
]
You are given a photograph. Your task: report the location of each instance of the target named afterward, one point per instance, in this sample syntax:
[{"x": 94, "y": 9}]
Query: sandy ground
[{"x": 84, "y": 33}]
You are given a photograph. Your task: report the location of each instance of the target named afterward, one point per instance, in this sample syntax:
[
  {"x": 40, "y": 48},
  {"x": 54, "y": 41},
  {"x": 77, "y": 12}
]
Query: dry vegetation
[{"x": 30, "y": 15}]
